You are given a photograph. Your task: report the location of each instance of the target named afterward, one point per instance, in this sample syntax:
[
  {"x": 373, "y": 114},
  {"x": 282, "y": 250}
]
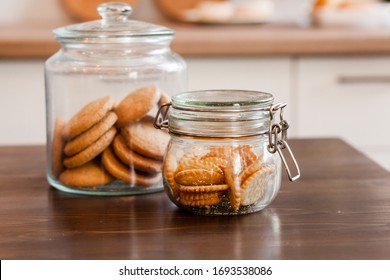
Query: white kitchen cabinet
[
  {"x": 22, "y": 102},
  {"x": 271, "y": 74},
  {"x": 347, "y": 97},
  {"x": 22, "y": 92}
]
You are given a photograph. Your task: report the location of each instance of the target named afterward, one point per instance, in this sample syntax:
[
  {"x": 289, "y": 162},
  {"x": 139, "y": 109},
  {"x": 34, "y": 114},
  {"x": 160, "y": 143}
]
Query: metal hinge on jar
[
  {"x": 161, "y": 121},
  {"x": 278, "y": 140}
]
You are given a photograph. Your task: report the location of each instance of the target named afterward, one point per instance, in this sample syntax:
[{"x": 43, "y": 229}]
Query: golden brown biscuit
[
  {"x": 232, "y": 172},
  {"x": 92, "y": 151},
  {"x": 199, "y": 177},
  {"x": 256, "y": 165},
  {"x": 88, "y": 116},
  {"x": 88, "y": 175},
  {"x": 220, "y": 162},
  {"x": 88, "y": 137},
  {"x": 203, "y": 189},
  {"x": 247, "y": 154},
  {"x": 199, "y": 163},
  {"x": 120, "y": 171},
  {"x": 130, "y": 158},
  {"x": 144, "y": 139},
  {"x": 169, "y": 169},
  {"x": 57, "y": 145},
  {"x": 200, "y": 196},
  {"x": 223, "y": 152},
  {"x": 201, "y": 202},
  {"x": 185, "y": 158},
  {"x": 254, "y": 187},
  {"x": 136, "y": 105}
]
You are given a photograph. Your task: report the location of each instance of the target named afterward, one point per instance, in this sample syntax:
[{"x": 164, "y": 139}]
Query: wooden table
[{"x": 340, "y": 209}]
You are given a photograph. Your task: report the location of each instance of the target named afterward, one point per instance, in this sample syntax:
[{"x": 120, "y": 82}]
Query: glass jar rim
[
  {"x": 220, "y": 113},
  {"x": 223, "y": 100}
]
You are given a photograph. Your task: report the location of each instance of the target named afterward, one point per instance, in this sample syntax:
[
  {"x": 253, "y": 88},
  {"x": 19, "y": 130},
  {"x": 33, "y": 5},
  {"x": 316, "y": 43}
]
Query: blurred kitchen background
[{"x": 328, "y": 59}]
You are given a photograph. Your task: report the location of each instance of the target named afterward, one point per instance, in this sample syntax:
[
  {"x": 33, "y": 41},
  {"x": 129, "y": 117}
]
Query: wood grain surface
[{"x": 340, "y": 209}]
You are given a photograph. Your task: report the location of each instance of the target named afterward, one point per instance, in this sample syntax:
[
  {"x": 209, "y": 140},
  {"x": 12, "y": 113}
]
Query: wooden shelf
[{"x": 227, "y": 40}]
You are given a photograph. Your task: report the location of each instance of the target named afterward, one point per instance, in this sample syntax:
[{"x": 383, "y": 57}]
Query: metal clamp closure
[
  {"x": 277, "y": 136},
  {"x": 161, "y": 121}
]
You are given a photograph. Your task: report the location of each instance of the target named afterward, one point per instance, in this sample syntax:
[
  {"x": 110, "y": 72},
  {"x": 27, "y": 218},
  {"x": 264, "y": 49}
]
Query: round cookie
[
  {"x": 88, "y": 175},
  {"x": 88, "y": 137},
  {"x": 57, "y": 147},
  {"x": 200, "y": 163},
  {"x": 169, "y": 169},
  {"x": 89, "y": 115},
  {"x": 144, "y": 139},
  {"x": 247, "y": 154},
  {"x": 120, "y": 171},
  {"x": 204, "y": 189},
  {"x": 199, "y": 177},
  {"x": 255, "y": 185},
  {"x": 130, "y": 158},
  {"x": 185, "y": 158},
  {"x": 256, "y": 165},
  {"x": 220, "y": 162},
  {"x": 200, "y": 196},
  {"x": 92, "y": 151},
  {"x": 232, "y": 178},
  {"x": 223, "y": 152},
  {"x": 136, "y": 105},
  {"x": 201, "y": 202}
]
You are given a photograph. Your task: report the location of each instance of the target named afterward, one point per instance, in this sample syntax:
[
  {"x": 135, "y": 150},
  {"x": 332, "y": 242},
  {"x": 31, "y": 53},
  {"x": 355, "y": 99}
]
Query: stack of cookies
[
  {"x": 233, "y": 176},
  {"x": 104, "y": 142}
]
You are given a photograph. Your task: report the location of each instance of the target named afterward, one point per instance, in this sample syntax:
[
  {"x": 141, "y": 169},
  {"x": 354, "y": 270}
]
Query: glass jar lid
[
  {"x": 113, "y": 27},
  {"x": 220, "y": 113},
  {"x": 222, "y": 100}
]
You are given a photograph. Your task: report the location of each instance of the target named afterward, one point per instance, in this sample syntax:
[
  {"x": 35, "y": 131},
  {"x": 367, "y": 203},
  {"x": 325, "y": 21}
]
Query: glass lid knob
[{"x": 113, "y": 11}]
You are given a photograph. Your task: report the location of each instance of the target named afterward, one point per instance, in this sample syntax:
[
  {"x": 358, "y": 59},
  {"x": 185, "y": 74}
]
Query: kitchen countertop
[
  {"x": 339, "y": 209},
  {"x": 220, "y": 40}
]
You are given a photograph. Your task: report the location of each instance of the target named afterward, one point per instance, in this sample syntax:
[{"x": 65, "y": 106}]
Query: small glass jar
[
  {"x": 103, "y": 88},
  {"x": 221, "y": 159}
]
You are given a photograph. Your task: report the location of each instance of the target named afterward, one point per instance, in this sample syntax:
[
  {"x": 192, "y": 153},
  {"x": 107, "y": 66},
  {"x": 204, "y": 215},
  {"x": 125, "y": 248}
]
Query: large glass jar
[
  {"x": 225, "y": 152},
  {"x": 103, "y": 88}
]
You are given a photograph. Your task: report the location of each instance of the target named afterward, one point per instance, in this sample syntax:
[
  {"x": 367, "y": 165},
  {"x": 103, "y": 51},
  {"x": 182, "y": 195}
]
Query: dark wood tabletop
[{"x": 339, "y": 209}]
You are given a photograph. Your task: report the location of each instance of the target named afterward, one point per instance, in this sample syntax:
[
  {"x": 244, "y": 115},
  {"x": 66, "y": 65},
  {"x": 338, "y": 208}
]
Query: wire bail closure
[
  {"x": 161, "y": 121},
  {"x": 277, "y": 140}
]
